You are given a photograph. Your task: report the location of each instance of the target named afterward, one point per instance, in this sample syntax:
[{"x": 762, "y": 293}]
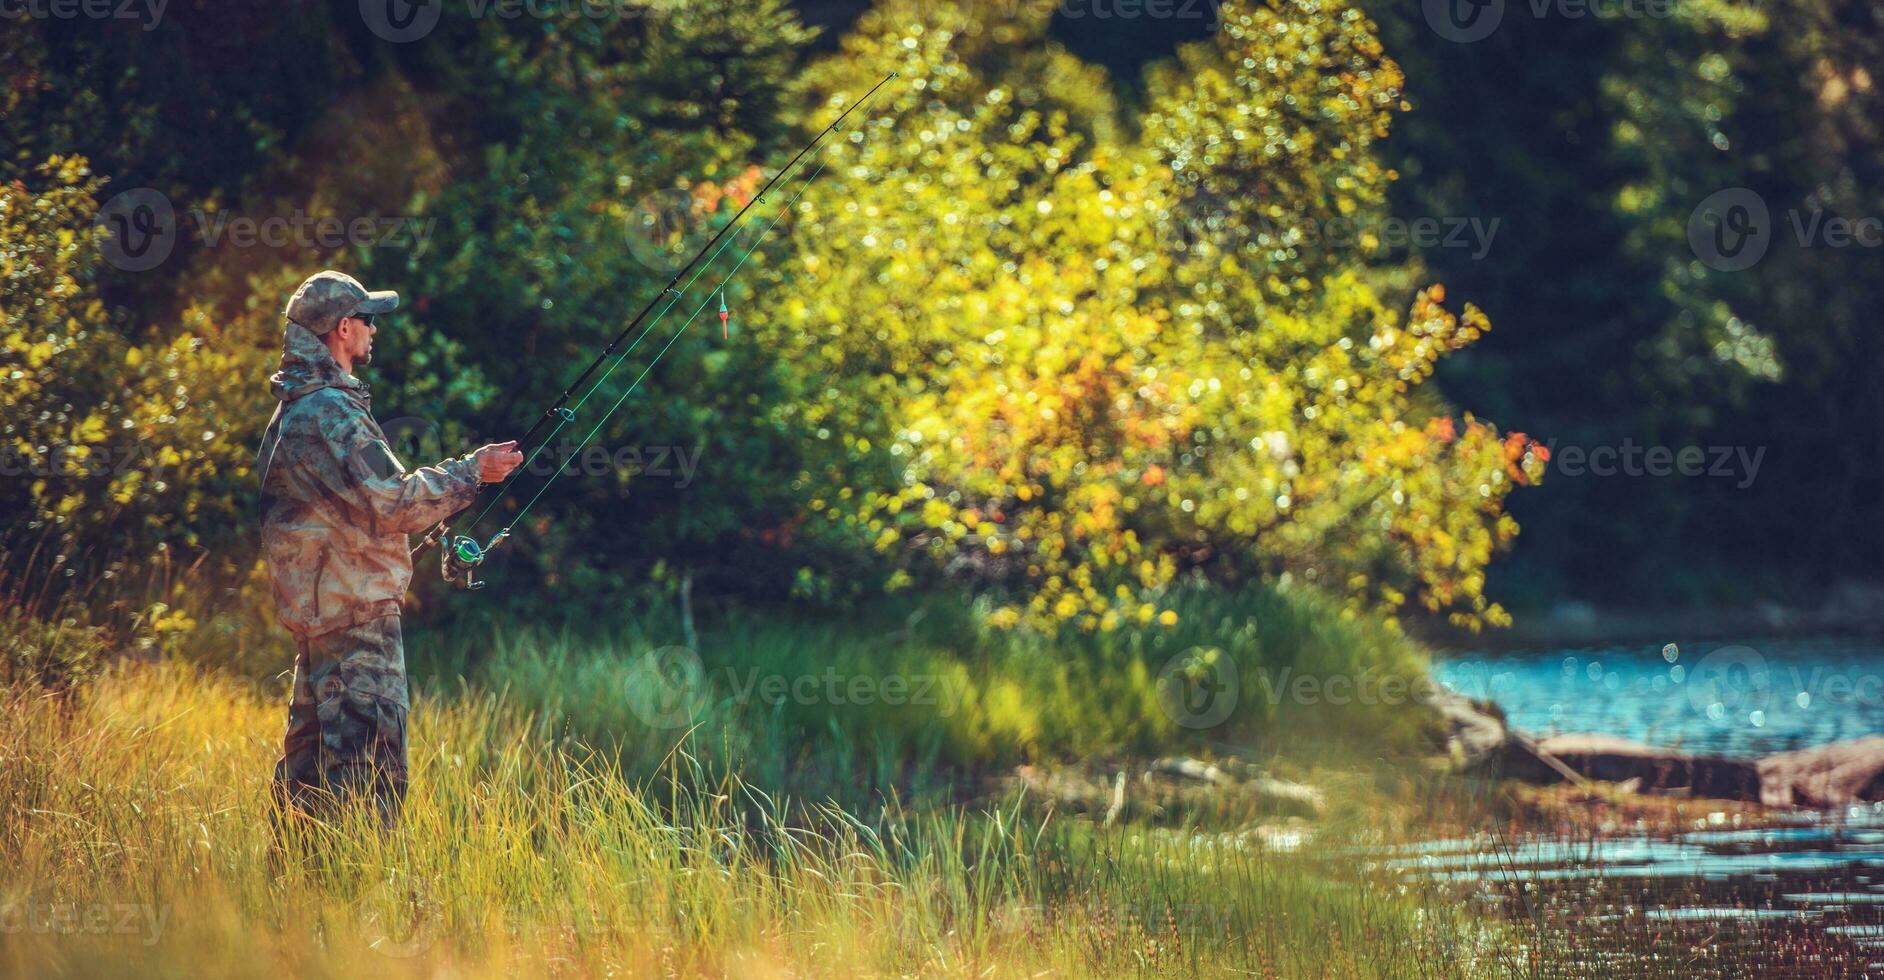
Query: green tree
[
  {"x": 1593, "y": 139},
  {"x": 114, "y": 451},
  {"x": 1059, "y": 364},
  {"x": 542, "y": 252}
]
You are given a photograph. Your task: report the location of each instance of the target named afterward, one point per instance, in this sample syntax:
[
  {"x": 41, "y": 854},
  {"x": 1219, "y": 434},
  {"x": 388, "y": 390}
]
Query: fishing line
[
  {"x": 464, "y": 553},
  {"x": 815, "y": 143},
  {"x": 564, "y": 418},
  {"x": 664, "y": 349}
]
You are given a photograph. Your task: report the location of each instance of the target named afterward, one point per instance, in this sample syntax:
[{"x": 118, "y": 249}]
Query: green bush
[
  {"x": 56, "y": 653},
  {"x": 114, "y": 451}
]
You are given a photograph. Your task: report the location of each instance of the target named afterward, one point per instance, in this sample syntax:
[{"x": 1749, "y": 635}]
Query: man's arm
[{"x": 360, "y": 467}]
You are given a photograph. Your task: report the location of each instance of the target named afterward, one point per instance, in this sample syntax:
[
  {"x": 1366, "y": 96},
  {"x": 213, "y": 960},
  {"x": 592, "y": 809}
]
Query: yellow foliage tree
[
  {"x": 1073, "y": 366},
  {"x": 114, "y": 450}
]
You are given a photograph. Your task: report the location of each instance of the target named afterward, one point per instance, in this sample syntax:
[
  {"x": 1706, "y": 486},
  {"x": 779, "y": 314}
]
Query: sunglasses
[{"x": 367, "y": 318}]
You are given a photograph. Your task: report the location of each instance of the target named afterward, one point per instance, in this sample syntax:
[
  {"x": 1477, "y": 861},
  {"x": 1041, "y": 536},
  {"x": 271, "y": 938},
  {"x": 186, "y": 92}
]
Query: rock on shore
[
  {"x": 1838, "y": 774},
  {"x": 1477, "y": 740}
]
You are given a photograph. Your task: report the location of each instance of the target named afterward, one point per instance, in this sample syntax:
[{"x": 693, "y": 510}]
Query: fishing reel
[{"x": 461, "y": 556}]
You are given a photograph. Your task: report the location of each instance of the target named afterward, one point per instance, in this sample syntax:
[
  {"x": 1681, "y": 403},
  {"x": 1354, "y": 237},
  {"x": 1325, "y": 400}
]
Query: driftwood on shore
[
  {"x": 1840, "y": 774},
  {"x": 1614, "y": 760}
]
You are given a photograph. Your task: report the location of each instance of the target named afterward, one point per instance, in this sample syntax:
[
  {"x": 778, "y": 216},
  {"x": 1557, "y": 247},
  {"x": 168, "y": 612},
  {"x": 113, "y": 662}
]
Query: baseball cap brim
[{"x": 383, "y": 301}]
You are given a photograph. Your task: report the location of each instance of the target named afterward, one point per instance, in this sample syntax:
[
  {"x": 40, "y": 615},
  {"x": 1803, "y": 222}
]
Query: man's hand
[{"x": 495, "y": 462}]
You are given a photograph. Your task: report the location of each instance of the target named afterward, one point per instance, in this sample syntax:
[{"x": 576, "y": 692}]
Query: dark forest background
[{"x": 1592, "y": 139}]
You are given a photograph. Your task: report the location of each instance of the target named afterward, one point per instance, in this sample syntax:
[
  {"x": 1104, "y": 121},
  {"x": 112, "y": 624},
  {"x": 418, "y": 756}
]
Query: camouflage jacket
[{"x": 337, "y": 505}]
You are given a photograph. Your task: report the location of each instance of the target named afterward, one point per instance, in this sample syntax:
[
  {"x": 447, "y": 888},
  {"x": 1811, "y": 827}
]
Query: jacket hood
[{"x": 307, "y": 366}]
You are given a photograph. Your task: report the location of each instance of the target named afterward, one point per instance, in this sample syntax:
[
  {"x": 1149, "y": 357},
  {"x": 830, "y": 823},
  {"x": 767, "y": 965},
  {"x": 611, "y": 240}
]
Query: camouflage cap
[{"x": 328, "y": 297}]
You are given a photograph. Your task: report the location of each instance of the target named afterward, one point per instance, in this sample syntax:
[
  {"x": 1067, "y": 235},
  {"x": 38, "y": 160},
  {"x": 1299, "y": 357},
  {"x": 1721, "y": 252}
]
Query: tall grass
[
  {"x": 942, "y": 694},
  {"x": 141, "y": 799}
]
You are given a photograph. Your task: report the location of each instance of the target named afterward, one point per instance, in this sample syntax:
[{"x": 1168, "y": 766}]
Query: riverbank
[
  {"x": 596, "y": 802},
  {"x": 1661, "y": 859},
  {"x": 1785, "y": 723},
  {"x": 746, "y": 794}
]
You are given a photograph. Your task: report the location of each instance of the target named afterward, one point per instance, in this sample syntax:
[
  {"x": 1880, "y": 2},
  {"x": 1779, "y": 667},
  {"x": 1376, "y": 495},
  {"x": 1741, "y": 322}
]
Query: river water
[
  {"x": 1803, "y": 897},
  {"x": 1742, "y": 699}
]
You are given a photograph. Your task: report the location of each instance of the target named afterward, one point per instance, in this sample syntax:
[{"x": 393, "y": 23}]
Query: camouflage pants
[{"x": 346, "y": 733}]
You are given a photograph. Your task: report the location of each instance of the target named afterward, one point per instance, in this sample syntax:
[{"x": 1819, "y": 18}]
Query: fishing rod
[{"x": 463, "y": 553}]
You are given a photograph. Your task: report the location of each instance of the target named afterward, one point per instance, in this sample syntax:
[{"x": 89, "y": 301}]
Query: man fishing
[{"x": 337, "y": 507}]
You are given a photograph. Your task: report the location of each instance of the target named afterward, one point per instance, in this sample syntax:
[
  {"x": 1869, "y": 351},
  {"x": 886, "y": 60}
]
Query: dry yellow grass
[{"x": 135, "y": 841}]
